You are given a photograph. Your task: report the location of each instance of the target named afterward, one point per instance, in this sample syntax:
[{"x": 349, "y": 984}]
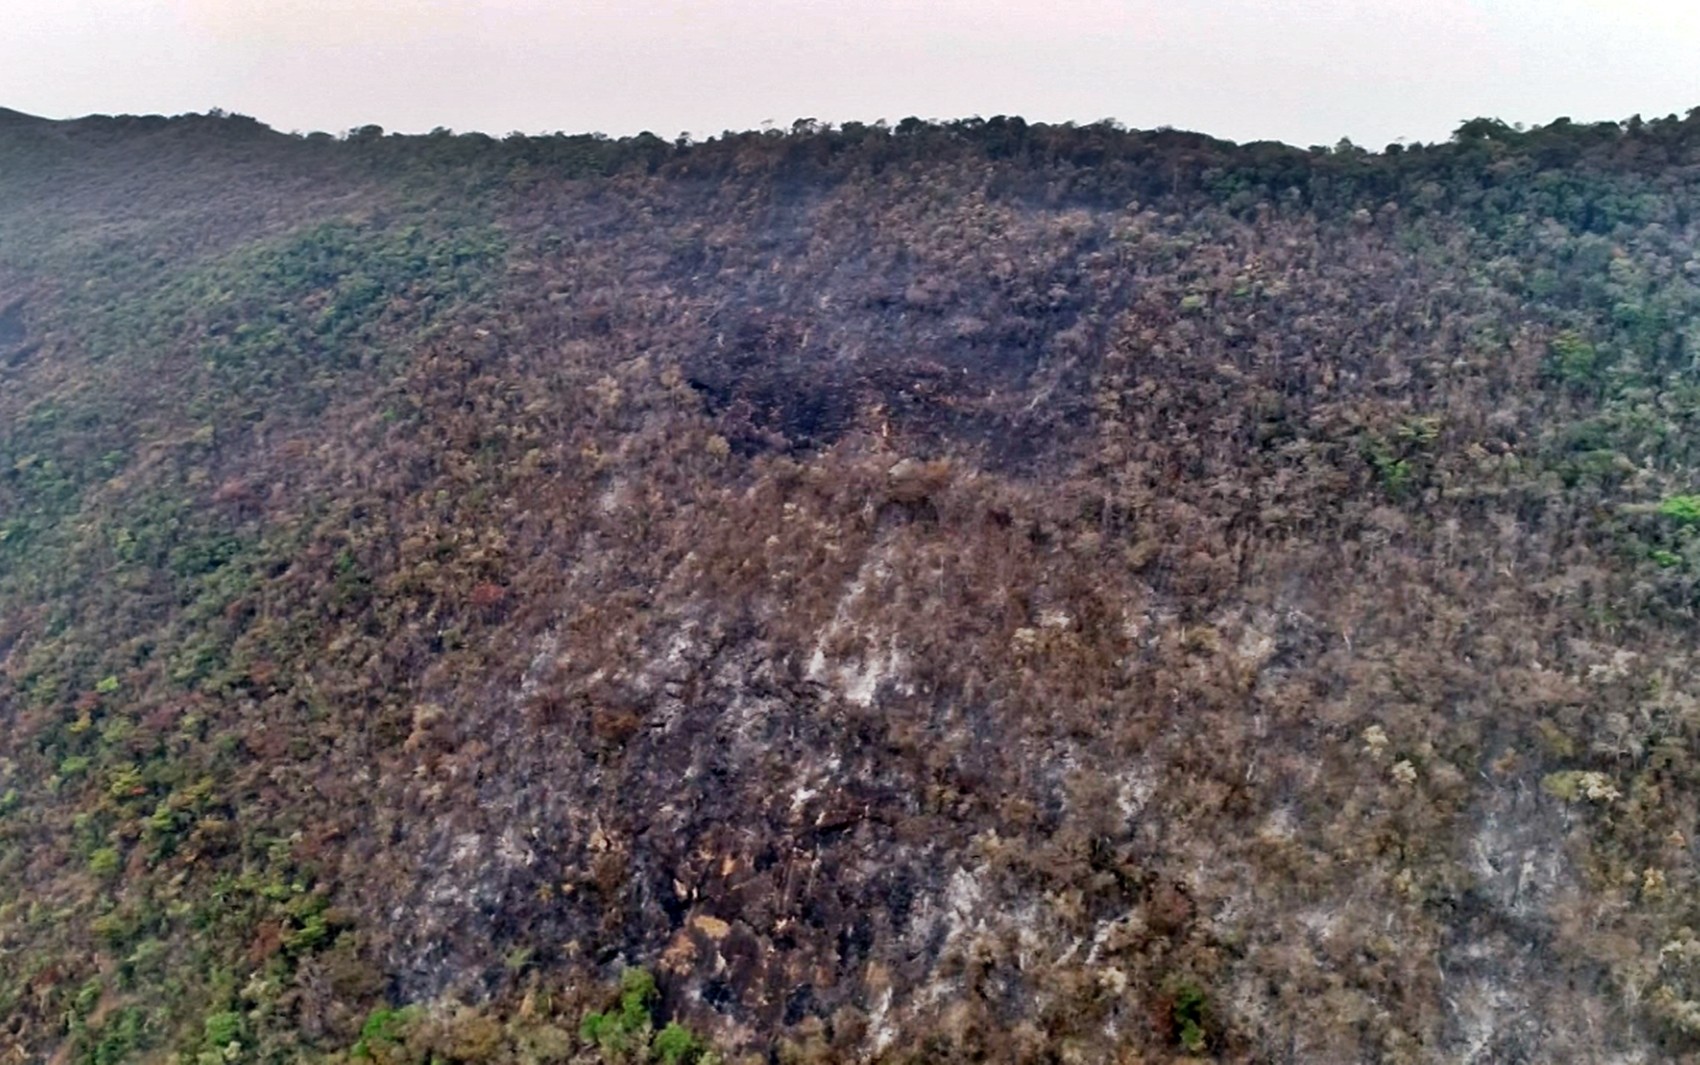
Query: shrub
[
  {"x": 1394, "y": 472},
  {"x": 105, "y": 862},
  {"x": 1573, "y": 785},
  {"x": 1574, "y": 360},
  {"x": 1189, "y": 1009},
  {"x": 222, "y": 1029},
  {"x": 675, "y": 1045},
  {"x": 383, "y": 1028},
  {"x": 630, "y": 1027},
  {"x": 1180, "y": 1014},
  {"x": 1684, "y": 510}
]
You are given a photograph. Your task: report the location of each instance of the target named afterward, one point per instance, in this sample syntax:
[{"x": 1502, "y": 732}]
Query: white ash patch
[
  {"x": 1279, "y": 827},
  {"x": 1619, "y": 665},
  {"x": 547, "y": 649},
  {"x": 1476, "y": 1009},
  {"x": 1030, "y": 945},
  {"x": 962, "y": 898},
  {"x": 467, "y": 847},
  {"x": 1137, "y": 786},
  {"x": 881, "y": 1031},
  {"x": 812, "y": 785},
  {"x": 952, "y": 912},
  {"x": 1518, "y": 866},
  {"x": 858, "y": 678},
  {"x": 676, "y": 656},
  {"x": 1135, "y": 624},
  {"x": 466, "y": 885},
  {"x": 1257, "y": 643},
  {"x": 1321, "y": 924},
  {"x": 1115, "y": 935},
  {"x": 613, "y": 497},
  {"x": 1053, "y": 618},
  {"x": 801, "y": 795},
  {"x": 512, "y": 851}
]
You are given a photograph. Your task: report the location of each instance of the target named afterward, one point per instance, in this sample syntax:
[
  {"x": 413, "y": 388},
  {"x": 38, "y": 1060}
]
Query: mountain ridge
[{"x": 957, "y": 591}]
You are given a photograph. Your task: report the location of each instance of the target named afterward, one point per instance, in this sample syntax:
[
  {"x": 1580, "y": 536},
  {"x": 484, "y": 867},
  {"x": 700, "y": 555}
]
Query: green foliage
[
  {"x": 629, "y": 1028},
  {"x": 1574, "y": 359},
  {"x": 1684, "y": 510},
  {"x": 676, "y": 1045},
  {"x": 1190, "y": 1013},
  {"x": 313, "y": 933},
  {"x": 1394, "y": 473},
  {"x": 630, "y": 1023},
  {"x": 309, "y": 299},
  {"x": 637, "y": 994},
  {"x": 1420, "y": 432},
  {"x": 118, "y": 1038},
  {"x": 383, "y": 1027},
  {"x": 222, "y": 1029},
  {"x": 105, "y": 862},
  {"x": 604, "y": 1030}
]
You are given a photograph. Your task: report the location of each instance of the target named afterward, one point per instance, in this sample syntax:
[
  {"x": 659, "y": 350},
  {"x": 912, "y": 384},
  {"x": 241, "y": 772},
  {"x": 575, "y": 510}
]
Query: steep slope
[{"x": 962, "y": 592}]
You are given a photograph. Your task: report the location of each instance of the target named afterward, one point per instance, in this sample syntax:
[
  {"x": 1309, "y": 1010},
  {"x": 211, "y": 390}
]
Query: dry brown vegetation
[{"x": 954, "y": 593}]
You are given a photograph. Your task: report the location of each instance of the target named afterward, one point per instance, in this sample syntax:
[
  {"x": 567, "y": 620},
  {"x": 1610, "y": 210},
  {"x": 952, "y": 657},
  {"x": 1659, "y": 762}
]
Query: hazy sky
[{"x": 1303, "y": 71}]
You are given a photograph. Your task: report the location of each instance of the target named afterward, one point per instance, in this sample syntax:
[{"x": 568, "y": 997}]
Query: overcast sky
[{"x": 1303, "y": 71}]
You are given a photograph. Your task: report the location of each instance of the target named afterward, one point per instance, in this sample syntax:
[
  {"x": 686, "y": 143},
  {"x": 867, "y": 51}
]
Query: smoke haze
[{"x": 1304, "y": 72}]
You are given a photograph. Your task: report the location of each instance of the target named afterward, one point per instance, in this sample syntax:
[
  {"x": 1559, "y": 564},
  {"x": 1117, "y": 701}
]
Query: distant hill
[{"x": 968, "y": 591}]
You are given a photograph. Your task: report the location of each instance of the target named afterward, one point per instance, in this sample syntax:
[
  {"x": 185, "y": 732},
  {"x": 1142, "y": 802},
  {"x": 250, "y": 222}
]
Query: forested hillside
[{"x": 978, "y": 591}]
